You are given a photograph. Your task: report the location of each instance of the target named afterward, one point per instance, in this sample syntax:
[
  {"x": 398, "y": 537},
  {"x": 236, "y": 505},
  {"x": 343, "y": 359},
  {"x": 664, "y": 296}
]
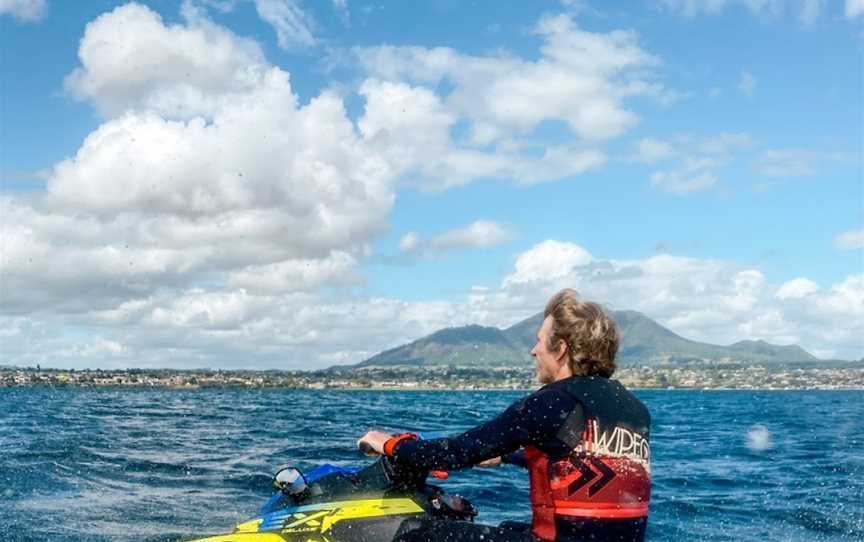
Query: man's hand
[
  {"x": 375, "y": 440},
  {"x": 494, "y": 462}
]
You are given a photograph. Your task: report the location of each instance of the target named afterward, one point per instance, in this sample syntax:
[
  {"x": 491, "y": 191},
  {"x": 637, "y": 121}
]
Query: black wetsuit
[{"x": 536, "y": 420}]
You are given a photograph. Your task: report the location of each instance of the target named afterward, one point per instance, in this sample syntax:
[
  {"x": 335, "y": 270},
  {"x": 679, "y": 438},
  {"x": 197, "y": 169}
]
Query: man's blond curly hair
[{"x": 589, "y": 332}]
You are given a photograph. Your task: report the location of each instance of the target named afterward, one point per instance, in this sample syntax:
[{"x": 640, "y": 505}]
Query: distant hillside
[
  {"x": 468, "y": 345},
  {"x": 791, "y": 352},
  {"x": 645, "y": 342}
]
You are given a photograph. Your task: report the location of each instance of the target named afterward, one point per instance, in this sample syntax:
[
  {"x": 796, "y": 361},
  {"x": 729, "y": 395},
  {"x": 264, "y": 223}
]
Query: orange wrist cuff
[{"x": 390, "y": 445}]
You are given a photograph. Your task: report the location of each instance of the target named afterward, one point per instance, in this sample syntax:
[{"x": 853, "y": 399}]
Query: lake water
[{"x": 93, "y": 465}]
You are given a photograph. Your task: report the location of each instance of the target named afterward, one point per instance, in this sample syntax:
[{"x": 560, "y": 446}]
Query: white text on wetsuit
[{"x": 620, "y": 443}]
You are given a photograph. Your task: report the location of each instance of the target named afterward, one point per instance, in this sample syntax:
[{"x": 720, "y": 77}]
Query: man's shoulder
[
  {"x": 581, "y": 388},
  {"x": 557, "y": 391},
  {"x": 566, "y": 385},
  {"x": 581, "y": 382}
]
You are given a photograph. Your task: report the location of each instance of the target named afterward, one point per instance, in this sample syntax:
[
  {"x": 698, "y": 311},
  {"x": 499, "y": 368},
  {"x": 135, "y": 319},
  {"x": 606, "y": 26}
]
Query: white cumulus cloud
[
  {"x": 581, "y": 80},
  {"x": 292, "y": 275},
  {"x": 255, "y": 191},
  {"x": 478, "y": 234},
  {"x": 130, "y": 60},
  {"x": 547, "y": 261},
  {"x": 708, "y": 300},
  {"x": 796, "y": 289},
  {"x": 408, "y": 124}
]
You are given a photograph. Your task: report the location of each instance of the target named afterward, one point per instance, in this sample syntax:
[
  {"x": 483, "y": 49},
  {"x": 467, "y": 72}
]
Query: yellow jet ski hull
[{"x": 342, "y": 521}]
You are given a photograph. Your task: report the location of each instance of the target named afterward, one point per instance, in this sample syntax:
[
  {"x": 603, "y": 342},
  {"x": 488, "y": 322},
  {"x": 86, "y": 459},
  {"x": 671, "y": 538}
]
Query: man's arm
[
  {"x": 516, "y": 458},
  {"x": 535, "y": 419}
]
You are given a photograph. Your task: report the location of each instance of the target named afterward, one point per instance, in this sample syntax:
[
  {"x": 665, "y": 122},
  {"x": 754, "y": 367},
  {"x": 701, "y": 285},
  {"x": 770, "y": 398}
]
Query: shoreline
[
  {"x": 138, "y": 387},
  {"x": 445, "y": 378}
]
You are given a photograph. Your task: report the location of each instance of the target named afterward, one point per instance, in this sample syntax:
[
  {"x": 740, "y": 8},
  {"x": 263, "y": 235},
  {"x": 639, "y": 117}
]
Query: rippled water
[{"x": 96, "y": 465}]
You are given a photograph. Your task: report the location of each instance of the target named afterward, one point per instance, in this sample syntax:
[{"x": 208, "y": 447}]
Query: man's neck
[{"x": 563, "y": 372}]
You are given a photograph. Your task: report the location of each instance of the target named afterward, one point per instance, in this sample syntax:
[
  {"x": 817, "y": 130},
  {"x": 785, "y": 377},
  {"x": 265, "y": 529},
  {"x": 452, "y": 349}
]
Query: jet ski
[{"x": 337, "y": 504}]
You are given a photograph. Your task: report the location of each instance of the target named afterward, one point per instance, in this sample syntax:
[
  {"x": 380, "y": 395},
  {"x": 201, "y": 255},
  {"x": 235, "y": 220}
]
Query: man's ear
[{"x": 562, "y": 350}]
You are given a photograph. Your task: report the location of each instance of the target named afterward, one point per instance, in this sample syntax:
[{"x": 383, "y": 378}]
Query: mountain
[
  {"x": 644, "y": 342},
  {"x": 792, "y": 351},
  {"x": 468, "y": 345}
]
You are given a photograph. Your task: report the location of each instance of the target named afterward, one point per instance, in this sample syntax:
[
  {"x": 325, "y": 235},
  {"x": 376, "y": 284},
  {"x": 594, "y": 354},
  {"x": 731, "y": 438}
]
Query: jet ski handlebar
[{"x": 391, "y": 444}]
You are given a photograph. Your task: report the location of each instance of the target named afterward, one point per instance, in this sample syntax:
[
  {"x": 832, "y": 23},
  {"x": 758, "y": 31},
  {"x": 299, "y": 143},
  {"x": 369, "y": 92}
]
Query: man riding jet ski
[{"x": 582, "y": 436}]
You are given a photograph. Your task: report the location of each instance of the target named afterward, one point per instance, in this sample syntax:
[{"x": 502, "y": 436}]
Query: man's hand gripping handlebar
[{"x": 381, "y": 443}]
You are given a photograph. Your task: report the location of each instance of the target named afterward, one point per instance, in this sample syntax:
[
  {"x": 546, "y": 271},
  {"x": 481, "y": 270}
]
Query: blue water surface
[{"x": 93, "y": 465}]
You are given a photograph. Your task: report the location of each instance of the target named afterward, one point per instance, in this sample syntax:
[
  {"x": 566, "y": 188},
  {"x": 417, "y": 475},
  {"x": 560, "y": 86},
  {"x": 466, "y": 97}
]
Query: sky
[{"x": 296, "y": 184}]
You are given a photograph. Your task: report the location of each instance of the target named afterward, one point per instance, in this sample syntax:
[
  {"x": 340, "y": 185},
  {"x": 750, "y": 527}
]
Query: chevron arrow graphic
[
  {"x": 606, "y": 472},
  {"x": 587, "y": 475}
]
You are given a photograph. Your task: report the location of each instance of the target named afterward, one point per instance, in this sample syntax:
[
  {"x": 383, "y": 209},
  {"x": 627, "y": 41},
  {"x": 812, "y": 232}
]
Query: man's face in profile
[{"x": 548, "y": 361}]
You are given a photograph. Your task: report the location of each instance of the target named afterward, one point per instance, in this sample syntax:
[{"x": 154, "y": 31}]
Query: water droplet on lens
[{"x": 758, "y": 438}]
